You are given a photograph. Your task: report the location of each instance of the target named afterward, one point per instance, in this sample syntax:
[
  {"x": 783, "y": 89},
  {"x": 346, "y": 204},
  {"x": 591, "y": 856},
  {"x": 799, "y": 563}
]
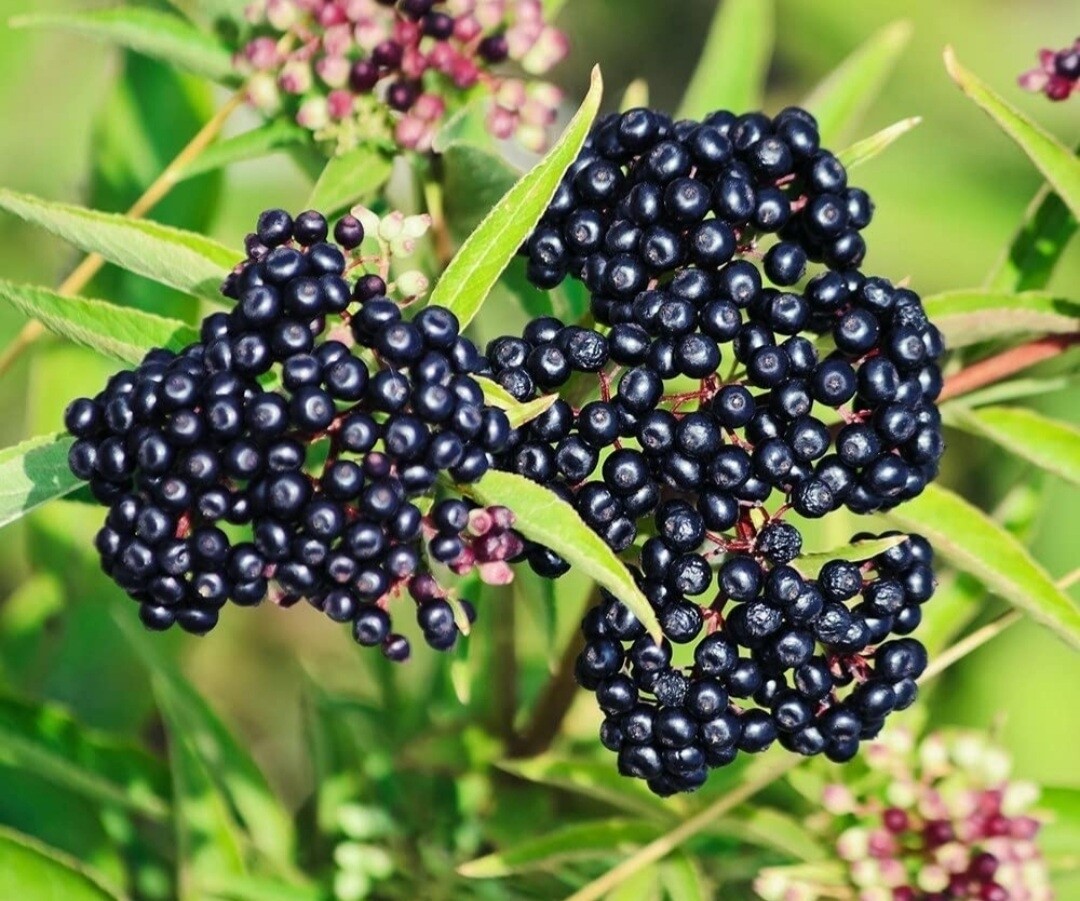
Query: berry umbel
[
  {"x": 293, "y": 451},
  {"x": 356, "y": 70}
]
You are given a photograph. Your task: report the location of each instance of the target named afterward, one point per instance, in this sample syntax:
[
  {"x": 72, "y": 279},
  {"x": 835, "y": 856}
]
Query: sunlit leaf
[
  {"x": 123, "y": 333},
  {"x": 180, "y": 259},
  {"x": 636, "y": 95},
  {"x": 731, "y": 70},
  {"x": 518, "y": 413},
  {"x": 349, "y": 179},
  {"x": 32, "y": 871},
  {"x": 842, "y": 98},
  {"x": 809, "y": 565},
  {"x": 161, "y": 35},
  {"x": 865, "y": 150},
  {"x": 970, "y": 316},
  {"x": 1049, "y": 444},
  {"x": 683, "y": 880},
  {"x": 544, "y": 517},
  {"x": 970, "y": 540},
  {"x": 276, "y": 134},
  {"x": 466, "y": 282},
  {"x": 1056, "y": 162},
  {"x": 32, "y": 473},
  {"x": 1033, "y": 253}
]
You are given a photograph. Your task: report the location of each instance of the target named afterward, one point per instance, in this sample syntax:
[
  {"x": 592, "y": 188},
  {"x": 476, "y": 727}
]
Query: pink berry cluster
[
  {"x": 1057, "y": 75},
  {"x": 935, "y": 822},
  {"x": 358, "y": 70}
]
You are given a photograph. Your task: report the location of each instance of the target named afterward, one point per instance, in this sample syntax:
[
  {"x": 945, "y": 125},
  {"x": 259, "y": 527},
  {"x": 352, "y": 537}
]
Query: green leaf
[
  {"x": 276, "y": 134},
  {"x": 252, "y": 888},
  {"x": 350, "y": 179},
  {"x": 47, "y": 742},
  {"x": 1056, "y": 162},
  {"x": 1016, "y": 389},
  {"x": 635, "y": 96},
  {"x": 180, "y": 259},
  {"x": 519, "y": 414},
  {"x": 210, "y": 844},
  {"x": 230, "y": 767},
  {"x": 809, "y": 565},
  {"x": 33, "y": 473},
  {"x": 120, "y": 332},
  {"x": 1029, "y": 260},
  {"x": 865, "y": 150},
  {"x": 1049, "y": 444},
  {"x": 770, "y": 828},
  {"x": 578, "y": 841},
  {"x": 32, "y": 871},
  {"x": 544, "y": 517},
  {"x": 971, "y": 316},
  {"x": 593, "y": 779},
  {"x": 161, "y": 35},
  {"x": 974, "y": 543},
  {"x": 466, "y": 282},
  {"x": 731, "y": 70},
  {"x": 845, "y": 94},
  {"x": 682, "y": 878},
  {"x": 474, "y": 180}
]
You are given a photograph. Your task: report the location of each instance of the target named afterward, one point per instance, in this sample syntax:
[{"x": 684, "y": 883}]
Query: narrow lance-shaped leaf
[
  {"x": 277, "y": 134},
  {"x": 1048, "y": 443},
  {"x": 842, "y": 98},
  {"x": 1056, "y": 162},
  {"x": 210, "y": 843},
  {"x": 466, "y": 282},
  {"x": 731, "y": 70},
  {"x": 518, "y": 413},
  {"x": 1033, "y": 253},
  {"x": 350, "y": 179},
  {"x": 171, "y": 256},
  {"x": 31, "y": 870},
  {"x": 636, "y": 95},
  {"x": 974, "y": 543},
  {"x": 809, "y": 565},
  {"x": 48, "y": 743},
  {"x": 124, "y": 333},
  {"x": 969, "y": 317},
  {"x": 865, "y": 150},
  {"x": 231, "y": 768},
  {"x": 576, "y": 842},
  {"x": 683, "y": 880},
  {"x": 33, "y": 473},
  {"x": 544, "y": 517},
  {"x": 158, "y": 34}
]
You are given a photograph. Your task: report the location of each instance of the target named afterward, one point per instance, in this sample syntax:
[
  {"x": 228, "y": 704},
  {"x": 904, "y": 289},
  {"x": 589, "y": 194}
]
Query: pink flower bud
[
  {"x": 333, "y": 70},
  {"x": 480, "y": 522},
  {"x": 467, "y": 29},
  {"x": 262, "y": 53},
  {"x": 464, "y": 72},
  {"x": 314, "y": 113},
  {"x": 497, "y": 573},
  {"x": 501, "y": 122},
  {"x": 549, "y": 49},
  {"x": 340, "y": 104}
]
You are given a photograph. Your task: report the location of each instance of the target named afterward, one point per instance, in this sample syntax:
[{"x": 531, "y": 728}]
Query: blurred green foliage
[{"x": 87, "y": 124}]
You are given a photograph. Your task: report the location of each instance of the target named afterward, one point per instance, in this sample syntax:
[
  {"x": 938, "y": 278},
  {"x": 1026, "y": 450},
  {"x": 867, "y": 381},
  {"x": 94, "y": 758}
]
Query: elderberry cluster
[
  {"x": 353, "y": 70},
  {"x": 806, "y": 661},
  {"x": 741, "y": 366},
  {"x": 313, "y": 420}
]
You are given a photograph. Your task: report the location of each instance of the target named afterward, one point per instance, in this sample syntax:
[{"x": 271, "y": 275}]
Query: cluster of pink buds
[
  {"x": 358, "y": 70},
  {"x": 929, "y": 823},
  {"x": 487, "y": 543},
  {"x": 1058, "y": 73}
]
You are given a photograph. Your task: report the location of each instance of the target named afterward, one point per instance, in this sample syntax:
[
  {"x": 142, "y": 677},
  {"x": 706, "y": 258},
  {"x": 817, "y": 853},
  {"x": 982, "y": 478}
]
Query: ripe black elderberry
[{"x": 328, "y": 469}]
